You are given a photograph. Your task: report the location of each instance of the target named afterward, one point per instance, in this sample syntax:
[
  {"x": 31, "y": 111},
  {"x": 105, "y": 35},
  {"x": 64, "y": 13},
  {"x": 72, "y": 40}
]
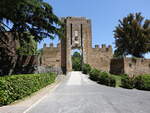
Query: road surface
[{"x": 78, "y": 94}]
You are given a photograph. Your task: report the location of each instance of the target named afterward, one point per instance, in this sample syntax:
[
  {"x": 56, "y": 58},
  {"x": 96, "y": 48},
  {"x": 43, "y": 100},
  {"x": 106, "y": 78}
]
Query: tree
[
  {"x": 76, "y": 61},
  {"x": 20, "y": 16},
  {"x": 34, "y": 16},
  {"x": 28, "y": 46},
  {"x": 132, "y": 36}
]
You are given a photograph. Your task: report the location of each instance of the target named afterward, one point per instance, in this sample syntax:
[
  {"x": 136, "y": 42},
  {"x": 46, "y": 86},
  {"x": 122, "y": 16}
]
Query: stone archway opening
[{"x": 77, "y": 59}]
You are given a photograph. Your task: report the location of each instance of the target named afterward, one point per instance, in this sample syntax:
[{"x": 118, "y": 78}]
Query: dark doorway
[{"x": 76, "y": 60}]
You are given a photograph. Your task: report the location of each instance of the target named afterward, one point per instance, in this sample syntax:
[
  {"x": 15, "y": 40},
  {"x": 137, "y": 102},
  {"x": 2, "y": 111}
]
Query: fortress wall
[
  {"x": 117, "y": 66},
  {"x": 51, "y": 56},
  {"x": 78, "y": 34},
  {"x": 100, "y": 57},
  {"x": 130, "y": 66},
  {"x": 136, "y": 66}
]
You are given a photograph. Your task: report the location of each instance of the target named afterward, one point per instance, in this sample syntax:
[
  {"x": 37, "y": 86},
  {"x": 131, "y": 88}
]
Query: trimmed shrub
[
  {"x": 94, "y": 74},
  {"x": 106, "y": 79},
  {"x": 127, "y": 82},
  {"x": 17, "y": 87},
  {"x": 103, "y": 78},
  {"x": 142, "y": 82},
  {"x": 112, "y": 81},
  {"x": 86, "y": 68}
]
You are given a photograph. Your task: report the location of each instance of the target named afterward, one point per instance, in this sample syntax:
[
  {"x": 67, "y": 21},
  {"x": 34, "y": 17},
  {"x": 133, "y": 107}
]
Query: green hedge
[
  {"x": 106, "y": 79},
  {"x": 17, "y": 87},
  {"x": 102, "y": 77},
  {"x": 94, "y": 74},
  {"x": 86, "y": 68},
  {"x": 142, "y": 82},
  {"x": 127, "y": 82}
]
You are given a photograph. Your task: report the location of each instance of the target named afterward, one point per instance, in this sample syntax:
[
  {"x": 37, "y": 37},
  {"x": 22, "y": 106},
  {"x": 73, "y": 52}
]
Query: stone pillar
[{"x": 68, "y": 47}]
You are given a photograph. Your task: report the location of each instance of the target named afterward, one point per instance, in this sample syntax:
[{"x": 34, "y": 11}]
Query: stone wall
[
  {"x": 117, "y": 66},
  {"x": 26, "y": 64},
  {"x": 51, "y": 56},
  {"x": 8, "y": 56},
  {"x": 45, "y": 69},
  {"x": 136, "y": 66},
  {"x": 130, "y": 66},
  {"x": 100, "y": 57}
]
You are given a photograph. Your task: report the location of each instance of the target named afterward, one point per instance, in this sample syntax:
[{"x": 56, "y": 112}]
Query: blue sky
[{"x": 103, "y": 13}]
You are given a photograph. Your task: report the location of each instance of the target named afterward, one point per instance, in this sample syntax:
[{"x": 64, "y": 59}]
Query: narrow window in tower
[
  {"x": 71, "y": 32},
  {"x": 81, "y": 35},
  {"x": 76, "y": 35}
]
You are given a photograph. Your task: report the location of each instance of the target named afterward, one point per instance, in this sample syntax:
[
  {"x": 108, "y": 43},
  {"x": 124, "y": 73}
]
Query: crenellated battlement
[
  {"x": 72, "y": 19},
  {"x": 51, "y": 45},
  {"x": 103, "y": 48}
]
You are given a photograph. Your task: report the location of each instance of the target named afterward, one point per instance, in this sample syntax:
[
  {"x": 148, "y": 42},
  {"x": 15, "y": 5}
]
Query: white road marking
[{"x": 37, "y": 102}]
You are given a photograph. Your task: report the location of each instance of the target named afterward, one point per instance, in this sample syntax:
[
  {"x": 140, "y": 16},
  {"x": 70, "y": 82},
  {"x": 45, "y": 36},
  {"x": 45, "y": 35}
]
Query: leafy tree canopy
[
  {"x": 34, "y": 16},
  {"x": 132, "y": 36},
  {"x": 28, "y": 46}
]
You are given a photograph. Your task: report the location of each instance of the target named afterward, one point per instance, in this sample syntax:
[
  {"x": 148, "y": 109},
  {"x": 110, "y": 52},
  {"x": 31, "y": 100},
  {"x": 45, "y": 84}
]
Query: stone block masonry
[
  {"x": 51, "y": 56},
  {"x": 130, "y": 66},
  {"x": 100, "y": 57}
]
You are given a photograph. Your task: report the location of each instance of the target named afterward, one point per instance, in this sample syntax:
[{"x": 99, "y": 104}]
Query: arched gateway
[{"x": 77, "y": 35}]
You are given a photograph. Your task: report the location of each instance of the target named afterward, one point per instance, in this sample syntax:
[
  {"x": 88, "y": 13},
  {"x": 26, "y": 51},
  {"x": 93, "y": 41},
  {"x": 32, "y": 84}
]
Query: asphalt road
[{"x": 78, "y": 94}]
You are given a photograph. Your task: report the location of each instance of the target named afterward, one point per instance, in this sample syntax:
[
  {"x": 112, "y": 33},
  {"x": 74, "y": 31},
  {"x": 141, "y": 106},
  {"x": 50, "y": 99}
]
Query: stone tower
[{"x": 77, "y": 36}]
